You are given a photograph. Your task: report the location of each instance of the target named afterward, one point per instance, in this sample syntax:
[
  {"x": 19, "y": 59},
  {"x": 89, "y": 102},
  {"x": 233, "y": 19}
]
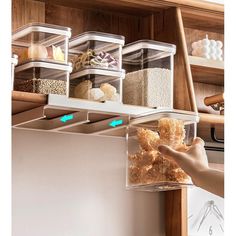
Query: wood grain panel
[
  {"x": 81, "y": 20},
  {"x": 176, "y": 212},
  {"x": 26, "y": 11},
  {"x": 204, "y": 20},
  {"x": 65, "y": 16}
]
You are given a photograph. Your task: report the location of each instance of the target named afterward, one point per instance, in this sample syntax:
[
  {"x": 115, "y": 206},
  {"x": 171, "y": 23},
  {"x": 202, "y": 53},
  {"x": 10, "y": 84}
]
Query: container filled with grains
[
  {"x": 149, "y": 69},
  {"x": 147, "y": 168},
  {"x": 43, "y": 65},
  {"x": 97, "y": 67}
]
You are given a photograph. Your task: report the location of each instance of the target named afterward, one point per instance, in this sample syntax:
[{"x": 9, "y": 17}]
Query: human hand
[{"x": 192, "y": 161}]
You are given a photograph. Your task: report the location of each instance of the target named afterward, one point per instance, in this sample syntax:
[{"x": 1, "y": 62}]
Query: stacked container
[
  {"x": 97, "y": 66},
  {"x": 149, "y": 69},
  {"x": 148, "y": 169},
  {"x": 43, "y": 58}
]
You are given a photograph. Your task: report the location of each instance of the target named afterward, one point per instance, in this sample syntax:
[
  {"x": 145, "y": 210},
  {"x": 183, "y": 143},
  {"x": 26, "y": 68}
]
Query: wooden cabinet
[{"x": 177, "y": 22}]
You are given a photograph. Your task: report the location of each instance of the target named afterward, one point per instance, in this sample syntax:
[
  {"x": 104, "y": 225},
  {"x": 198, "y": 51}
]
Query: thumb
[{"x": 166, "y": 150}]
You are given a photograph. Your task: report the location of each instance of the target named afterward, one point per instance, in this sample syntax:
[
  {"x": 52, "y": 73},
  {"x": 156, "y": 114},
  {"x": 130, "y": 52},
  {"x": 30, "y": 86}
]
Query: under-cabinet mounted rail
[{"x": 75, "y": 116}]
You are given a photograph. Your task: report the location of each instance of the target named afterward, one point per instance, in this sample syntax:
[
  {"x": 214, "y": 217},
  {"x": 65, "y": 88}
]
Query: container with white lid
[
  {"x": 98, "y": 85},
  {"x": 41, "y": 42},
  {"x": 147, "y": 169},
  {"x": 96, "y": 50},
  {"x": 43, "y": 65},
  {"x": 149, "y": 69},
  {"x": 43, "y": 77},
  {"x": 97, "y": 66},
  {"x": 14, "y": 61}
]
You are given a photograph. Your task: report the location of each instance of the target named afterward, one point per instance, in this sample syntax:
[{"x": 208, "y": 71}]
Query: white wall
[{"x": 74, "y": 185}]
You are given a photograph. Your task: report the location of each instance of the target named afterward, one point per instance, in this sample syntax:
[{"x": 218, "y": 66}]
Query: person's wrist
[{"x": 198, "y": 173}]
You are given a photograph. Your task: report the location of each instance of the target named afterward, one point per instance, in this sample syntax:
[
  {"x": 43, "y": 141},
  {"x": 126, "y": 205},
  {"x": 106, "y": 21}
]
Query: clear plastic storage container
[
  {"x": 43, "y": 58},
  {"x": 96, "y": 50},
  {"x": 41, "y": 42},
  {"x": 149, "y": 69},
  {"x": 14, "y": 61},
  {"x": 97, "y": 85},
  {"x": 147, "y": 169},
  {"x": 42, "y": 77}
]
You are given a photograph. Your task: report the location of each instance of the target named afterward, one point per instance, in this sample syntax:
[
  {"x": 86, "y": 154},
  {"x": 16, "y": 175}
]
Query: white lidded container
[
  {"x": 96, "y": 50},
  {"x": 14, "y": 61},
  {"x": 97, "y": 66},
  {"x": 43, "y": 58},
  {"x": 97, "y": 85},
  {"x": 149, "y": 69},
  {"x": 41, "y": 42},
  {"x": 147, "y": 169}
]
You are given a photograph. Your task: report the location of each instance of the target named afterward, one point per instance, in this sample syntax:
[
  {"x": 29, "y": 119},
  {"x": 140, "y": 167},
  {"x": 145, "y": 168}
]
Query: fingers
[
  {"x": 166, "y": 150},
  {"x": 198, "y": 140}
]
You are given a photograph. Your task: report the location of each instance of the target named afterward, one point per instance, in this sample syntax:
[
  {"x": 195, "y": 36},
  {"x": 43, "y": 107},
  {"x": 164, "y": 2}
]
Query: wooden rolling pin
[{"x": 211, "y": 100}]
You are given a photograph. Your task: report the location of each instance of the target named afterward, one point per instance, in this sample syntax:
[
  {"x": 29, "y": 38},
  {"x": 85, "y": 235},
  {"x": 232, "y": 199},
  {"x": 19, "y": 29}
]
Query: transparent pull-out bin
[
  {"x": 42, "y": 77},
  {"x": 41, "y": 42},
  {"x": 97, "y": 85},
  {"x": 149, "y": 69},
  {"x": 14, "y": 61},
  {"x": 96, "y": 50},
  {"x": 148, "y": 169}
]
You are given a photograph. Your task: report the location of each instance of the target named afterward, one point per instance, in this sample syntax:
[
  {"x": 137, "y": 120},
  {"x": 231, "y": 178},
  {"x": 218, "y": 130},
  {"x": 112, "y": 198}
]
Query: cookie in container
[
  {"x": 149, "y": 69},
  {"x": 43, "y": 65},
  {"x": 147, "y": 168}
]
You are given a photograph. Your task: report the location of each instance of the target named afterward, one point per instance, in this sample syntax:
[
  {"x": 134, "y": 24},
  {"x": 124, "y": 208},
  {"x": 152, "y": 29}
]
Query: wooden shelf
[
  {"x": 211, "y": 119},
  {"x": 22, "y": 101},
  {"x": 207, "y": 71},
  {"x": 192, "y": 5}
]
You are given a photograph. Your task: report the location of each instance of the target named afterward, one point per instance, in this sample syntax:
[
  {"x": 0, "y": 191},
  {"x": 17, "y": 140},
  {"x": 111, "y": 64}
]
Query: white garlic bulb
[{"x": 37, "y": 51}]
